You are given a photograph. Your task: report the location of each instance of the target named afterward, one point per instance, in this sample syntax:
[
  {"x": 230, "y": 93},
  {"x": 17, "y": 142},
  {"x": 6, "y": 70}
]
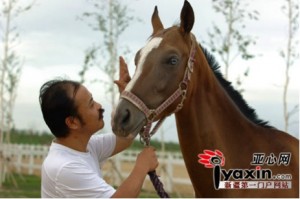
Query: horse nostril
[{"x": 126, "y": 116}]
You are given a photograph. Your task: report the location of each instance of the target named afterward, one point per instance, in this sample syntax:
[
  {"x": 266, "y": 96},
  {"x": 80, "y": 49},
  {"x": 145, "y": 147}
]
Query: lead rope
[{"x": 157, "y": 184}]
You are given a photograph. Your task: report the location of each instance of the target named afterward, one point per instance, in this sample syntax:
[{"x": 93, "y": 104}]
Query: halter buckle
[
  {"x": 152, "y": 115},
  {"x": 183, "y": 86}
]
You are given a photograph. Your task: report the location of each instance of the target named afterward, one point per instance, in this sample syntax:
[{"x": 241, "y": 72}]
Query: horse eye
[{"x": 173, "y": 61}]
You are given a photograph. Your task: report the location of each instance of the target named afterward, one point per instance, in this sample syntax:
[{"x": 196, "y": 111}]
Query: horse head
[{"x": 162, "y": 69}]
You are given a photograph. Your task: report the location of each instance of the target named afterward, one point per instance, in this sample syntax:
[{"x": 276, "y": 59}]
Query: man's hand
[
  {"x": 124, "y": 76},
  {"x": 147, "y": 160},
  {"x": 130, "y": 188}
]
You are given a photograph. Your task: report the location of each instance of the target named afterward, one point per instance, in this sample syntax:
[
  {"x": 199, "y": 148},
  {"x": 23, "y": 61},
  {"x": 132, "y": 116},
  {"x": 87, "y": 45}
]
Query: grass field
[{"x": 29, "y": 186}]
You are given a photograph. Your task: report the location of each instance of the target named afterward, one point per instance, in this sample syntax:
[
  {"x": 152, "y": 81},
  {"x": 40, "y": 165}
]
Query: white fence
[{"x": 27, "y": 159}]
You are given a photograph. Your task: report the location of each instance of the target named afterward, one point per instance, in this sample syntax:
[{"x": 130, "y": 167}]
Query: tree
[
  {"x": 229, "y": 42},
  {"x": 110, "y": 19},
  {"x": 10, "y": 71},
  {"x": 290, "y": 54}
]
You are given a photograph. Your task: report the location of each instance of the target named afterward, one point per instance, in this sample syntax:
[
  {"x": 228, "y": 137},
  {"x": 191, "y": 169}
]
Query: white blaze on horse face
[{"x": 152, "y": 44}]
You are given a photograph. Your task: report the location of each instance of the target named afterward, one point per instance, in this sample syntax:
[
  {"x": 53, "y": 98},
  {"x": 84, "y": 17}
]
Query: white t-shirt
[{"x": 70, "y": 173}]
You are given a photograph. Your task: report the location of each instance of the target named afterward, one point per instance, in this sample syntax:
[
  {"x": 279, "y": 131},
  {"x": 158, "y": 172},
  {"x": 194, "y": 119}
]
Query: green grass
[
  {"x": 28, "y": 186},
  {"x": 26, "y": 137}
]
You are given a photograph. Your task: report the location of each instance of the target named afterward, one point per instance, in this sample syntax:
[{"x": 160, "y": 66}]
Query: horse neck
[
  {"x": 210, "y": 120},
  {"x": 209, "y": 112}
]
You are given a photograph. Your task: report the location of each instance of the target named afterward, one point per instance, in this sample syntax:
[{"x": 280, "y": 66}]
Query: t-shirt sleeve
[
  {"x": 76, "y": 180},
  {"x": 102, "y": 145}
]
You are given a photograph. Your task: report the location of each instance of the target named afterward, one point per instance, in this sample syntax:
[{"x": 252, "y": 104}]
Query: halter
[{"x": 145, "y": 134}]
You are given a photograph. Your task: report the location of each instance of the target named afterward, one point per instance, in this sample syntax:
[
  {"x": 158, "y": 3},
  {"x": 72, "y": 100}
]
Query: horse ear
[
  {"x": 156, "y": 23},
  {"x": 187, "y": 17}
]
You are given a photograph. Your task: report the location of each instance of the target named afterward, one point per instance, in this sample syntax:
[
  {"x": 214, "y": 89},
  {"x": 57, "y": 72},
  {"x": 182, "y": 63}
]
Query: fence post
[
  {"x": 30, "y": 153},
  {"x": 169, "y": 172},
  {"x": 118, "y": 171},
  {"x": 19, "y": 154}
]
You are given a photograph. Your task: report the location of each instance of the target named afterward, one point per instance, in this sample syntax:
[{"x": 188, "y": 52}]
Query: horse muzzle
[{"x": 128, "y": 119}]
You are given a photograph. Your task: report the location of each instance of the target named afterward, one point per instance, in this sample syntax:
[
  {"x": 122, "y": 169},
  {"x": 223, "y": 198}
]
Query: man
[{"x": 71, "y": 168}]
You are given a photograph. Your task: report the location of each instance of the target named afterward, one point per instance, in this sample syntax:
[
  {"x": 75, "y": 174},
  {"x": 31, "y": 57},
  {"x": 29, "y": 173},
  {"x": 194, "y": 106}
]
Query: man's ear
[{"x": 72, "y": 122}]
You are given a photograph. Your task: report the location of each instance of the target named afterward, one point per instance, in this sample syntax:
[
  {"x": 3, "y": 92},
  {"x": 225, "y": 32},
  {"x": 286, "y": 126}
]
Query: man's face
[{"x": 90, "y": 111}]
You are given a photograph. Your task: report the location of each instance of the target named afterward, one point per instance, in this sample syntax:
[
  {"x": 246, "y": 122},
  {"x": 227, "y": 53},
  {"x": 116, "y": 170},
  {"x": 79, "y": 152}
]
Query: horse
[{"x": 175, "y": 74}]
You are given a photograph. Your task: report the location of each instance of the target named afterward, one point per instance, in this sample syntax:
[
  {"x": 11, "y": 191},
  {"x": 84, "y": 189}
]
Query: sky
[{"x": 53, "y": 42}]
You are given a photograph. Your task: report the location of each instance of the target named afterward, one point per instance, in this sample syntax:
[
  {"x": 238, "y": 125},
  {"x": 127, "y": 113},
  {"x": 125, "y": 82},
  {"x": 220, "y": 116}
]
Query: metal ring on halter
[
  {"x": 180, "y": 105},
  {"x": 183, "y": 95},
  {"x": 183, "y": 89},
  {"x": 183, "y": 86},
  {"x": 151, "y": 115}
]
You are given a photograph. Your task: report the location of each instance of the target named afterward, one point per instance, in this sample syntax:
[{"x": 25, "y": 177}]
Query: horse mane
[{"x": 234, "y": 94}]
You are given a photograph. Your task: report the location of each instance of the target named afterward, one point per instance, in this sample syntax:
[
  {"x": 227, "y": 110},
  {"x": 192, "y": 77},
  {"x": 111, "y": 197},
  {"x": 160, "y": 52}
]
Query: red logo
[{"x": 210, "y": 159}]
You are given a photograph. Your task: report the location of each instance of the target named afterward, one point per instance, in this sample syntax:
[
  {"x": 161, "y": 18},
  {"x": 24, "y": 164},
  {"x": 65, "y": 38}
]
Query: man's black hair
[{"x": 57, "y": 100}]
